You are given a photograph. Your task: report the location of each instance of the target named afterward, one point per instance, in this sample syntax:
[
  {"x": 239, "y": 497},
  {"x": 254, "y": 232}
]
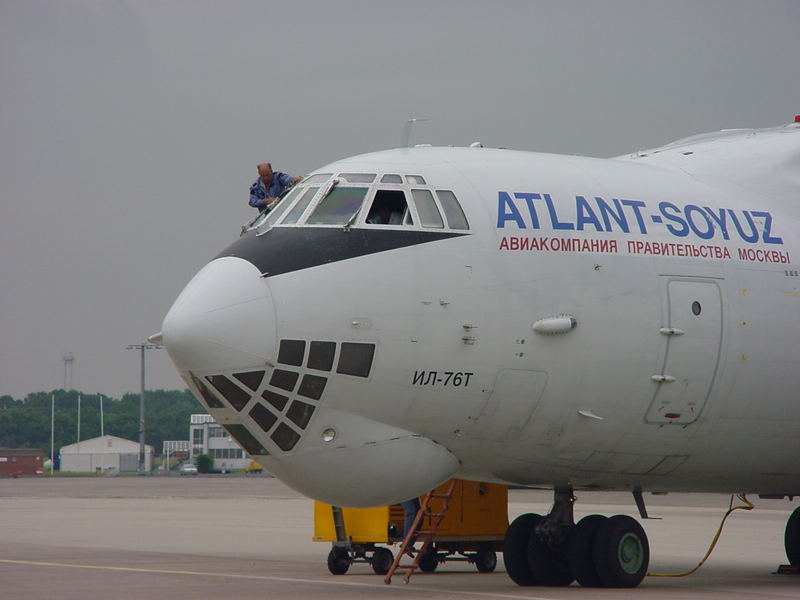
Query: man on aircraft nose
[{"x": 269, "y": 185}]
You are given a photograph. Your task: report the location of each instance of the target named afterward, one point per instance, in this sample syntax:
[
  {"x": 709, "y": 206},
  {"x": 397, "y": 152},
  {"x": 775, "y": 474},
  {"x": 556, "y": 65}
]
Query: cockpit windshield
[
  {"x": 338, "y": 207},
  {"x": 266, "y": 219},
  {"x": 365, "y": 200}
]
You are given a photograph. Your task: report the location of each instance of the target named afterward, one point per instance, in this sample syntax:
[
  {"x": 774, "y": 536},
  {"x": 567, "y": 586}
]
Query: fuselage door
[
  {"x": 510, "y": 406},
  {"x": 693, "y": 331}
]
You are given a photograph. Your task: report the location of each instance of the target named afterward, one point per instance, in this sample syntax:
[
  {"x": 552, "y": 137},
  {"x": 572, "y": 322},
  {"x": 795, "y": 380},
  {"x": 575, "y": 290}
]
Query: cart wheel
[
  {"x": 338, "y": 561},
  {"x": 382, "y": 560},
  {"x": 429, "y": 561},
  {"x": 485, "y": 559}
]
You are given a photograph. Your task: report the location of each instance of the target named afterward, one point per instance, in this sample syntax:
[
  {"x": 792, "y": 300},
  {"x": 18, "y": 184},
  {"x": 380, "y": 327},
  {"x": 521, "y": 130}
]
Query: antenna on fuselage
[{"x": 404, "y": 142}]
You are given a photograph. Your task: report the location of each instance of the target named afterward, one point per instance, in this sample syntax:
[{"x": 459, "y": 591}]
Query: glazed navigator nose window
[{"x": 356, "y": 359}]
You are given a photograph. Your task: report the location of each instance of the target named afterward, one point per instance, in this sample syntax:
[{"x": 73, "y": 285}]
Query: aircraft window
[
  {"x": 284, "y": 380},
  {"x": 356, "y": 359},
  {"x": 276, "y": 400},
  {"x": 357, "y": 177},
  {"x": 230, "y": 391},
  {"x": 452, "y": 210},
  {"x": 246, "y": 440},
  {"x": 338, "y": 206},
  {"x": 263, "y": 416},
  {"x": 252, "y": 379},
  {"x": 318, "y": 178},
  {"x": 285, "y": 437},
  {"x": 415, "y": 179},
  {"x": 388, "y": 208},
  {"x": 696, "y": 308},
  {"x": 391, "y": 179},
  {"x": 269, "y": 218},
  {"x": 284, "y": 201},
  {"x": 426, "y": 207},
  {"x": 312, "y": 386},
  {"x": 300, "y": 207},
  {"x": 320, "y": 355},
  {"x": 300, "y": 413},
  {"x": 211, "y": 400},
  {"x": 291, "y": 352}
]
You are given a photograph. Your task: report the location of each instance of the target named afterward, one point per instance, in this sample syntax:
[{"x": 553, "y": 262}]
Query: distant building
[
  {"x": 21, "y": 461},
  {"x": 207, "y": 437},
  {"x": 174, "y": 452},
  {"x": 104, "y": 454}
]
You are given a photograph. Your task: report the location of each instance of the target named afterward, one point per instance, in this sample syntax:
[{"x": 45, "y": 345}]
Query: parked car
[{"x": 188, "y": 469}]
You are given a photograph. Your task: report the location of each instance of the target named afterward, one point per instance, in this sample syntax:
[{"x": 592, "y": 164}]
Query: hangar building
[{"x": 107, "y": 453}]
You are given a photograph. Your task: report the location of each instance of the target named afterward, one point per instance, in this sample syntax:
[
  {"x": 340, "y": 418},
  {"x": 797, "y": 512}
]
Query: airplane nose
[{"x": 224, "y": 319}]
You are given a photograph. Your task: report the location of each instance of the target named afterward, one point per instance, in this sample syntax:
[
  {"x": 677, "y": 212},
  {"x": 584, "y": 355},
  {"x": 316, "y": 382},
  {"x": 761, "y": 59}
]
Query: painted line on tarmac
[{"x": 400, "y": 588}]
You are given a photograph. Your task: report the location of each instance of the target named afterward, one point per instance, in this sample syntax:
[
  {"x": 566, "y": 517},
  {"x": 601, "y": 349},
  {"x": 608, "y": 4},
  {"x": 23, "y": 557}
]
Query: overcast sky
[{"x": 130, "y": 130}]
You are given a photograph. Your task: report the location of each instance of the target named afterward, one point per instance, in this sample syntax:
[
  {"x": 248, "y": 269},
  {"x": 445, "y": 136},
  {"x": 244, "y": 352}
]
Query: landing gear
[
  {"x": 515, "y": 549},
  {"x": 620, "y": 552},
  {"x": 597, "y": 552},
  {"x": 580, "y": 550},
  {"x": 792, "y": 538}
]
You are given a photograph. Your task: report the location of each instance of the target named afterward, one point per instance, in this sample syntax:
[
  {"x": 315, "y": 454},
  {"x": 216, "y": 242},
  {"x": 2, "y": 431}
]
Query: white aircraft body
[{"x": 408, "y": 316}]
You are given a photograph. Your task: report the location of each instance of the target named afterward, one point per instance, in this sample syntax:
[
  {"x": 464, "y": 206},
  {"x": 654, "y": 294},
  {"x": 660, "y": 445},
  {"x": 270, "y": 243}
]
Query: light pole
[
  {"x": 69, "y": 360},
  {"x": 142, "y": 348}
]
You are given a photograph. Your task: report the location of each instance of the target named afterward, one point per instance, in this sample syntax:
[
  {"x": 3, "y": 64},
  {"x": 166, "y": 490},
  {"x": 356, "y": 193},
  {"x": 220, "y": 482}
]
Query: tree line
[{"x": 26, "y": 423}]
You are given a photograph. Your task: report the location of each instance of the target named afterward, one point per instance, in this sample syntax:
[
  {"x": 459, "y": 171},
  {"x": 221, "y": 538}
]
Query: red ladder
[{"x": 427, "y": 535}]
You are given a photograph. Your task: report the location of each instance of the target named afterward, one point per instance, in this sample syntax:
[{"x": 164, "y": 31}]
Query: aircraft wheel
[
  {"x": 549, "y": 566},
  {"x": 486, "y": 558},
  {"x": 429, "y": 561},
  {"x": 620, "y": 552},
  {"x": 580, "y": 550},
  {"x": 381, "y": 560},
  {"x": 792, "y": 538},
  {"x": 338, "y": 561},
  {"x": 515, "y": 549}
]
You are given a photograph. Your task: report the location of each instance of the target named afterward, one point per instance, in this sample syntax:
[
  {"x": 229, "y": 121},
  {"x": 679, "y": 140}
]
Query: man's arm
[{"x": 257, "y": 199}]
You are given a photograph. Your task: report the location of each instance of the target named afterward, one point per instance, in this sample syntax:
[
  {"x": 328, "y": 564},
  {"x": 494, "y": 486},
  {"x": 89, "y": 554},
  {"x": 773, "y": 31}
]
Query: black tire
[
  {"x": 580, "y": 550},
  {"x": 620, "y": 552},
  {"x": 549, "y": 566},
  {"x": 792, "y": 538},
  {"x": 486, "y": 558},
  {"x": 429, "y": 561},
  {"x": 381, "y": 560},
  {"x": 338, "y": 561},
  {"x": 515, "y": 549}
]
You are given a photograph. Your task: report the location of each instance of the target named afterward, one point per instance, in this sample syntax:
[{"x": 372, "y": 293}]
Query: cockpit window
[
  {"x": 300, "y": 207},
  {"x": 284, "y": 202},
  {"x": 385, "y": 199},
  {"x": 339, "y": 206},
  {"x": 318, "y": 178},
  {"x": 452, "y": 210},
  {"x": 389, "y": 208},
  {"x": 426, "y": 208},
  {"x": 357, "y": 177},
  {"x": 269, "y": 218}
]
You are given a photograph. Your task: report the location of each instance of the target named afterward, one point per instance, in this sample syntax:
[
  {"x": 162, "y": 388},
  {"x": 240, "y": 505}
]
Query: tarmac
[{"x": 242, "y": 537}]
